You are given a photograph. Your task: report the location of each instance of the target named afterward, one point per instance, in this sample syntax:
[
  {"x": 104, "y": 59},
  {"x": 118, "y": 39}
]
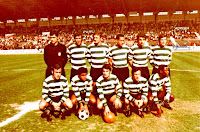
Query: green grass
[{"x": 21, "y": 78}]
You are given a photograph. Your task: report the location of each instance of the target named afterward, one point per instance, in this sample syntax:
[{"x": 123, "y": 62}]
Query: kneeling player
[
  {"x": 109, "y": 90},
  {"x": 55, "y": 94},
  {"x": 136, "y": 90},
  {"x": 82, "y": 87},
  {"x": 160, "y": 87}
]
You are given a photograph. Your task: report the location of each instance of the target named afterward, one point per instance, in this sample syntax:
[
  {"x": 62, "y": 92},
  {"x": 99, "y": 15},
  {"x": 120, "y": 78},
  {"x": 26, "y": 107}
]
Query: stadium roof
[{"x": 20, "y": 9}]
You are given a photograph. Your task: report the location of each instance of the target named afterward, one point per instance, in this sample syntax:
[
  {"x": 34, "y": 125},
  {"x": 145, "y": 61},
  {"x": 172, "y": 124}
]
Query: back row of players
[{"x": 101, "y": 89}]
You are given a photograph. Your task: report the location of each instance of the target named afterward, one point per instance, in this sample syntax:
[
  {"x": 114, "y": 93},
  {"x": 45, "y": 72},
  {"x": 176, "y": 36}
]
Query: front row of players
[{"x": 138, "y": 94}]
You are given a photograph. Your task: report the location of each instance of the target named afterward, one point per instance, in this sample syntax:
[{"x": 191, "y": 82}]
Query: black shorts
[
  {"x": 109, "y": 96},
  {"x": 56, "y": 99},
  {"x": 121, "y": 73},
  {"x": 144, "y": 72},
  {"x": 95, "y": 73}
]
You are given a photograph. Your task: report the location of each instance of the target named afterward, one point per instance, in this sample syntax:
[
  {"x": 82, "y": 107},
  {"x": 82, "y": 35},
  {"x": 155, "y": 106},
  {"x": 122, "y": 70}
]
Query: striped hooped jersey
[
  {"x": 161, "y": 56},
  {"x": 77, "y": 55},
  {"x": 119, "y": 56},
  {"x": 79, "y": 86},
  {"x": 55, "y": 88},
  {"x": 156, "y": 84},
  {"x": 108, "y": 86},
  {"x": 140, "y": 56},
  {"x": 131, "y": 88},
  {"x": 97, "y": 55}
]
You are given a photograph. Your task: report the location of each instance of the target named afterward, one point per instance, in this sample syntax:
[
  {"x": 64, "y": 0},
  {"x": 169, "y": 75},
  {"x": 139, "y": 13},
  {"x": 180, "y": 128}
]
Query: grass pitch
[{"x": 21, "y": 78}]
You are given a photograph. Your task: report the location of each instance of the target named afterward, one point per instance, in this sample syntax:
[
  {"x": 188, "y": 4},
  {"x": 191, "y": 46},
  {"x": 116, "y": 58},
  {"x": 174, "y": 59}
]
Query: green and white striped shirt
[
  {"x": 55, "y": 88},
  {"x": 139, "y": 56},
  {"x": 97, "y": 55},
  {"x": 156, "y": 84},
  {"x": 77, "y": 55},
  {"x": 161, "y": 56},
  {"x": 119, "y": 56},
  {"x": 79, "y": 86},
  {"x": 108, "y": 86},
  {"x": 131, "y": 88}
]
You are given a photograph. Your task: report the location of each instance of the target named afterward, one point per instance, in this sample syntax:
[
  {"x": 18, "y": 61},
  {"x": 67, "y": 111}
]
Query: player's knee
[
  {"x": 150, "y": 98},
  {"x": 42, "y": 105},
  {"x": 113, "y": 98},
  {"x": 73, "y": 99},
  {"x": 93, "y": 99},
  {"x": 99, "y": 104},
  {"x": 126, "y": 101},
  {"x": 68, "y": 103},
  {"x": 171, "y": 98},
  {"x": 145, "y": 101}
]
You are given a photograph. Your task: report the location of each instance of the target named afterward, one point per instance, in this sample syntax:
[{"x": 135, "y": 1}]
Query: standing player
[
  {"x": 55, "y": 53},
  {"x": 160, "y": 87},
  {"x": 82, "y": 87},
  {"x": 77, "y": 55},
  {"x": 136, "y": 91},
  {"x": 97, "y": 56},
  {"x": 161, "y": 54},
  {"x": 55, "y": 94},
  {"x": 118, "y": 56},
  {"x": 109, "y": 90},
  {"x": 140, "y": 54}
]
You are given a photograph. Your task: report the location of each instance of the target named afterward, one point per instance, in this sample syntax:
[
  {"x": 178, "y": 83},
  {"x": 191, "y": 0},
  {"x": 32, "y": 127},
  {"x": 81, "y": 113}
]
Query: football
[
  {"x": 83, "y": 115},
  {"x": 109, "y": 118}
]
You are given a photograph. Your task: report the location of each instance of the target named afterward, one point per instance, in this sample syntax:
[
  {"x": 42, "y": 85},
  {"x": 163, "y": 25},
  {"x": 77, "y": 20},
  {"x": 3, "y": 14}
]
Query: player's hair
[
  {"x": 56, "y": 66},
  {"x": 161, "y": 36},
  {"x": 135, "y": 69},
  {"x": 107, "y": 66},
  {"x": 141, "y": 34},
  {"x": 77, "y": 34},
  {"x": 82, "y": 70},
  {"x": 162, "y": 67},
  {"x": 119, "y": 35}
]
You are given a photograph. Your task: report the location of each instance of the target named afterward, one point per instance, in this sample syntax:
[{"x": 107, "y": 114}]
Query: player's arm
[
  {"x": 88, "y": 91},
  {"x": 167, "y": 86},
  {"x": 153, "y": 87},
  {"x": 76, "y": 92},
  {"x": 144, "y": 90},
  {"x": 65, "y": 96},
  {"x": 45, "y": 93},
  {"x": 130, "y": 57},
  {"x": 64, "y": 55},
  {"x": 46, "y": 55},
  {"x": 101, "y": 95}
]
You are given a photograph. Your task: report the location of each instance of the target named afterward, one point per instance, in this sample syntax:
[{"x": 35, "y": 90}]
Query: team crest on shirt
[{"x": 59, "y": 53}]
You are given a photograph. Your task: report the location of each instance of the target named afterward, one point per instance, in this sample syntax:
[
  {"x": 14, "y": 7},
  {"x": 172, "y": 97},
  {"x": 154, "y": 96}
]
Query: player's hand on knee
[{"x": 106, "y": 110}]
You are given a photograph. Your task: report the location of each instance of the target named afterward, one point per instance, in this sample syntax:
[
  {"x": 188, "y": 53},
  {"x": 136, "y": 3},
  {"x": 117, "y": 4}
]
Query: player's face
[
  {"x": 57, "y": 73},
  {"x": 54, "y": 40},
  {"x": 141, "y": 41},
  {"x": 106, "y": 73},
  {"x": 83, "y": 76},
  {"x": 136, "y": 75},
  {"x": 163, "y": 42},
  {"x": 78, "y": 40},
  {"x": 97, "y": 39},
  {"x": 121, "y": 41}
]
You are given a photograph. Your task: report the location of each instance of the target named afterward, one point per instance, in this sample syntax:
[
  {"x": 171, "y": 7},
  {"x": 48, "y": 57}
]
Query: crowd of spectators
[{"x": 34, "y": 40}]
